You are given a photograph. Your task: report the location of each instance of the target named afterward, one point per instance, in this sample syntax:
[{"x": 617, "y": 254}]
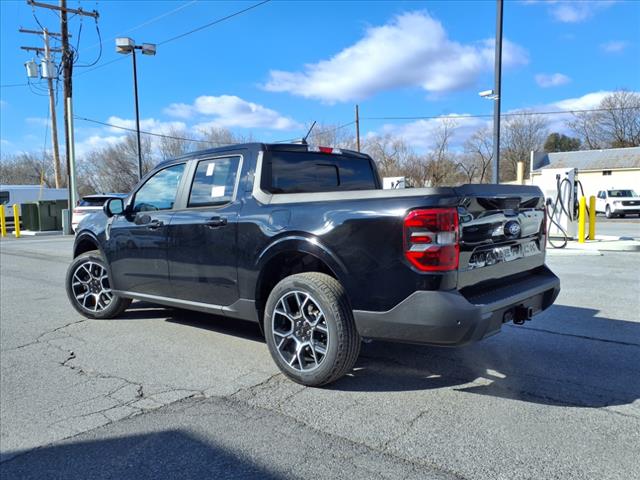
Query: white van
[{"x": 12, "y": 194}]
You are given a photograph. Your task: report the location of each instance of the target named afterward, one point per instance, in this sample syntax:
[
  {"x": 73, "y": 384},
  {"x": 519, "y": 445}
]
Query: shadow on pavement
[
  {"x": 215, "y": 323},
  {"x": 566, "y": 356},
  {"x": 546, "y": 365},
  {"x": 163, "y": 455}
]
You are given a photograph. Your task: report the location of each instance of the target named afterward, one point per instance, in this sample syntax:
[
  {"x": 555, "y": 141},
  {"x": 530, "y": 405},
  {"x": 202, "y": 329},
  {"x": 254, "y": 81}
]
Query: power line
[
  {"x": 513, "y": 114},
  {"x": 148, "y": 133},
  {"x": 210, "y": 24},
  {"x": 148, "y": 22},
  {"x": 320, "y": 132},
  {"x": 161, "y": 135}
]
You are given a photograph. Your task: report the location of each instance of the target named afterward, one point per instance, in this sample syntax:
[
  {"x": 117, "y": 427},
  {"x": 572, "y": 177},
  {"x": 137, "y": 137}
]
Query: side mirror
[{"x": 113, "y": 206}]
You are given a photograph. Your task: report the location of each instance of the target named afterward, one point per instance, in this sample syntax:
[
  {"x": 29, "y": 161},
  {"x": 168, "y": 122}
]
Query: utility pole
[
  {"x": 357, "y": 127},
  {"x": 52, "y": 101},
  {"x": 52, "y": 109},
  {"x": 67, "y": 71},
  {"x": 497, "y": 94}
]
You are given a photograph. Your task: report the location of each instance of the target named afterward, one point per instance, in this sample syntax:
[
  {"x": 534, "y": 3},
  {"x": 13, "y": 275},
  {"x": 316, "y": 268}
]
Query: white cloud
[
  {"x": 577, "y": 11},
  {"x": 411, "y": 50},
  {"x": 231, "y": 111},
  {"x": 420, "y": 134},
  {"x": 587, "y": 101},
  {"x": 39, "y": 121},
  {"x": 551, "y": 80},
  {"x": 148, "y": 125},
  {"x": 614, "y": 46},
  {"x": 97, "y": 142}
]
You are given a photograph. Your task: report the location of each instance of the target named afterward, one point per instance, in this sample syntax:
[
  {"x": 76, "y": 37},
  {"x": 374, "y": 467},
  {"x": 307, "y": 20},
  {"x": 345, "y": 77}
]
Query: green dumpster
[
  {"x": 30, "y": 217},
  {"x": 51, "y": 214},
  {"x": 43, "y": 215}
]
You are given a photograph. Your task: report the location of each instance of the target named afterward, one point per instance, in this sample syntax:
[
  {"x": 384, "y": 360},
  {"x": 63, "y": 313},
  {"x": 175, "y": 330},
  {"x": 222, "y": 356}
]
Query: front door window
[{"x": 160, "y": 191}]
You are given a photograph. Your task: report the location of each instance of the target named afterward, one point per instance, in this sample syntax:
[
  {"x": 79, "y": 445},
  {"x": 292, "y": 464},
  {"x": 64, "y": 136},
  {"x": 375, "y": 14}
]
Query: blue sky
[{"x": 276, "y": 68}]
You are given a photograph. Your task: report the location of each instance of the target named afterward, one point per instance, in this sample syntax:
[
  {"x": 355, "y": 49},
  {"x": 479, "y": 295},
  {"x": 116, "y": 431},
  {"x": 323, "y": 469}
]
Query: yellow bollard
[
  {"x": 16, "y": 220},
  {"x": 582, "y": 214},
  {"x": 592, "y": 217},
  {"x": 3, "y": 222}
]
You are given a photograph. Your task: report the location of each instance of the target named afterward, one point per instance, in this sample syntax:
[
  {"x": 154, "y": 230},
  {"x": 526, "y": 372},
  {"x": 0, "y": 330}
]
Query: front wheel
[
  {"x": 89, "y": 290},
  {"x": 607, "y": 212},
  {"x": 310, "y": 329}
]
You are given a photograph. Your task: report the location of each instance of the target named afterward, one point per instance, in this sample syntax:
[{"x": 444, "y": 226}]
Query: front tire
[
  {"x": 89, "y": 290},
  {"x": 310, "y": 329},
  {"x": 607, "y": 212}
]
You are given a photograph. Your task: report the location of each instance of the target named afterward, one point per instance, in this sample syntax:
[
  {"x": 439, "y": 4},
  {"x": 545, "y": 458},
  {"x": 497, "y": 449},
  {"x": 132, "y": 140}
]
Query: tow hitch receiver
[{"x": 518, "y": 315}]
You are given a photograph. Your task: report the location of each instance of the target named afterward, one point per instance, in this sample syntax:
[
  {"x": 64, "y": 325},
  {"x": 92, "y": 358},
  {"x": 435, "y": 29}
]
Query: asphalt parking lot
[{"x": 164, "y": 393}]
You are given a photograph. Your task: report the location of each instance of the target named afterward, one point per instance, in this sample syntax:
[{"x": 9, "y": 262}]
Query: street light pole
[
  {"x": 126, "y": 45},
  {"x": 497, "y": 94},
  {"x": 135, "y": 94}
]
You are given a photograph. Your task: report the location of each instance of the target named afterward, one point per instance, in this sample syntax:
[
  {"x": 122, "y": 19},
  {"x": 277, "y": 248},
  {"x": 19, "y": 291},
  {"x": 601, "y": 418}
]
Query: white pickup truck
[{"x": 617, "y": 202}]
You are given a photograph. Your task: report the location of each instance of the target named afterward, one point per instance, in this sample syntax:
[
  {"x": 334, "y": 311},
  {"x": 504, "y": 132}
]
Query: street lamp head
[
  {"x": 148, "y": 48},
  {"x": 486, "y": 93},
  {"x": 124, "y": 45}
]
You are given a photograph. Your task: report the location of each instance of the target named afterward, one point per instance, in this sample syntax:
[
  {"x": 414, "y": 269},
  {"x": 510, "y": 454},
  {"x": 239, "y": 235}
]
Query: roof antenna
[{"x": 304, "y": 140}]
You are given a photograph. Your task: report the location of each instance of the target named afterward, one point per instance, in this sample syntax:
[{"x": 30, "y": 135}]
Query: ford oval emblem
[{"x": 512, "y": 229}]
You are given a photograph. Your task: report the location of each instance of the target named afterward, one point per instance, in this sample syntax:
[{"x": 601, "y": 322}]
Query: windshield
[
  {"x": 92, "y": 202},
  {"x": 622, "y": 193}
]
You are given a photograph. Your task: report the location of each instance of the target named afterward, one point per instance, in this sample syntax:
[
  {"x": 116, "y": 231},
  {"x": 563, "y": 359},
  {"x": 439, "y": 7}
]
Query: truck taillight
[{"x": 431, "y": 239}]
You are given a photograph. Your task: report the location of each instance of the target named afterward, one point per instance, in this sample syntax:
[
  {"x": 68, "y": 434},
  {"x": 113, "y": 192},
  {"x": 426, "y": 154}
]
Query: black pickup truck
[{"x": 303, "y": 241}]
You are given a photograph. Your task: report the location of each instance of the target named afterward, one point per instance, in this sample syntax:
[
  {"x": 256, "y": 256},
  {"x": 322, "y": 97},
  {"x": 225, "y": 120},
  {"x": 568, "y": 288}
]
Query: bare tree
[
  {"x": 390, "y": 153},
  {"x": 29, "y": 168},
  {"x": 220, "y": 136},
  {"x": 115, "y": 168},
  {"x": 522, "y": 134},
  {"x": 616, "y": 124},
  {"x": 330, "y": 135},
  {"x": 478, "y": 154},
  {"x": 175, "y": 144},
  {"x": 441, "y": 167}
]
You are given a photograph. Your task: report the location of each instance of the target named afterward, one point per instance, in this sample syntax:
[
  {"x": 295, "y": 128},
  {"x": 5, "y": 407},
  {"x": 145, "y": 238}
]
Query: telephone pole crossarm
[
  {"x": 77, "y": 11},
  {"x": 40, "y": 49}
]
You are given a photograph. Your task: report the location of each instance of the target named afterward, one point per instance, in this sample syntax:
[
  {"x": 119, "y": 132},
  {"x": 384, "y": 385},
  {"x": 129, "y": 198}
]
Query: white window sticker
[
  {"x": 217, "y": 192},
  {"x": 210, "y": 168}
]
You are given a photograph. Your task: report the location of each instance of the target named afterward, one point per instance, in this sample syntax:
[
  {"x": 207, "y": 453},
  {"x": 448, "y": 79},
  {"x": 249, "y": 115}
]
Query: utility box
[{"x": 43, "y": 215}]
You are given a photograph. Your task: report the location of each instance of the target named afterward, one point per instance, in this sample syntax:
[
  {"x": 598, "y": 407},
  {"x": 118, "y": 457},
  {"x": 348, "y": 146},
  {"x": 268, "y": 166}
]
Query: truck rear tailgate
[{"x": 501, "y": 232}]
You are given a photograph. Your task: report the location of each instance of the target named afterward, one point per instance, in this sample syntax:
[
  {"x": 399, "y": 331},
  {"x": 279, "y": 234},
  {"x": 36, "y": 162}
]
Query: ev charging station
[{"x": 560, "y": 189}]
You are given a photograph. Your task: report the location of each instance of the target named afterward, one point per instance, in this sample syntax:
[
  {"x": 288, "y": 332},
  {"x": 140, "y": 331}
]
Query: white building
[{"x": 597, "y": 169}]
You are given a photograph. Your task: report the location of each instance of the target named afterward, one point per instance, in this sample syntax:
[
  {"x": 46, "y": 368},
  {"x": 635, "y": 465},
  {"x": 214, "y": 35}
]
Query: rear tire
[
  {"x": 310, "y": 329},
  {"x": 89, "y": 290}
]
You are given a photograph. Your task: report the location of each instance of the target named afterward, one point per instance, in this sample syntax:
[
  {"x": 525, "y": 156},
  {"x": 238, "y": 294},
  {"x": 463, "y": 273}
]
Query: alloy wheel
[
  {"x": 300, "y": 331},
  {"x": 90, "y": 286}
]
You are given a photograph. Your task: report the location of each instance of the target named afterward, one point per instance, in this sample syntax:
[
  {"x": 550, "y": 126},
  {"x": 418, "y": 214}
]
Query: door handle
[
  {"x": 154, "y": 224},
  {"x": 216, "y": 222}
]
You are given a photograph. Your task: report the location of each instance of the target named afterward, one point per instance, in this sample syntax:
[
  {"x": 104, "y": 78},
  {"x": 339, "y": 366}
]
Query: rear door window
[
  {"x": 214, "y": 182},
  {"x": 307, "y": 172}
]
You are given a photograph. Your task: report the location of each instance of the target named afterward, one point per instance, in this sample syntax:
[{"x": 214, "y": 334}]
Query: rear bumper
[{"x": 450, "y": 318}]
